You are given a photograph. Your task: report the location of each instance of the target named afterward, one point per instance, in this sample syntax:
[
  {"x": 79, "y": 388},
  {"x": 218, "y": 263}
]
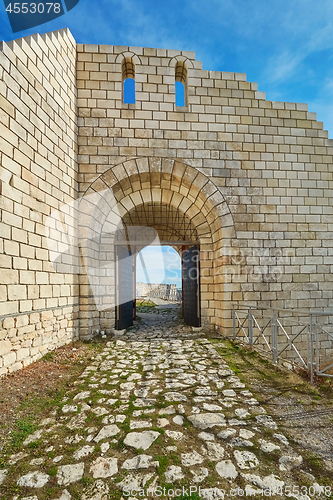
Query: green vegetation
[
  {"x": 49, "y": 356},
  {"x": 164, "y": 463},
  {"x": 23, "y": 429},
  {"x": 53, "y": 471},
  {"x": 145, "y": 306},
  {"x": 193, "y": 496}
]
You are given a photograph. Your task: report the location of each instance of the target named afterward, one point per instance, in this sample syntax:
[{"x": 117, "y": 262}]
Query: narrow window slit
[
  {"x": 128, "y": 81},
  {"x": 181, "y": 84}
]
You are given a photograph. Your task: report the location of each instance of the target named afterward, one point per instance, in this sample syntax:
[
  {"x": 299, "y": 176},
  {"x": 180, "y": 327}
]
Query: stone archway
[{"x": 142, "y": 181}]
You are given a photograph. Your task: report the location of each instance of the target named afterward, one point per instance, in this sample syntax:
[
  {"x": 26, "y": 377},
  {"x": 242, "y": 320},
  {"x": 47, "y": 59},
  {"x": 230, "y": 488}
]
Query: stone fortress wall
[
  {"x": 39, "y": 307},
  {"x": 254, "y": 177},
  {"x": 159, "y": 291}
]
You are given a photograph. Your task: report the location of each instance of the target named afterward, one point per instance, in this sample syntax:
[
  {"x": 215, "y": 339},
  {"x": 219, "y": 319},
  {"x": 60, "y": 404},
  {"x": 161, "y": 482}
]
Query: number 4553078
[{"x": 33, "y": 8}]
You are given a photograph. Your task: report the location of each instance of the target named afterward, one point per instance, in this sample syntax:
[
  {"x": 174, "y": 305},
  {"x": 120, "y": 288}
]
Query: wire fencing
[{"x": 299, "y": 337}]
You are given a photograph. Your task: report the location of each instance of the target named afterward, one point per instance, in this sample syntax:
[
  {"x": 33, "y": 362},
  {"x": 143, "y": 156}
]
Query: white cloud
[{"x": 160, "y": 265}]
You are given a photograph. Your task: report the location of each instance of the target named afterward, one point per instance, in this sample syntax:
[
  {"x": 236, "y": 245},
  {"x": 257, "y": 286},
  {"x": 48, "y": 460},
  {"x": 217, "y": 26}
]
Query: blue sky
[
  {"x": 284, "y": 46},
  {"x": 162, "y": 265}
]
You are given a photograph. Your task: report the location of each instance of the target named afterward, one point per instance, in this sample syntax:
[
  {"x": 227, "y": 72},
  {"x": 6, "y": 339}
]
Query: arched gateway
[
  {"x": 184, "y": 207},
  {"x": 247, "y": 181}
]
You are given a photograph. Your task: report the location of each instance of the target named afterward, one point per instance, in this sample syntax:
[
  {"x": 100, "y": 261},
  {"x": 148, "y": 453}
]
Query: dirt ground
[{"x": 29, "y": 389}]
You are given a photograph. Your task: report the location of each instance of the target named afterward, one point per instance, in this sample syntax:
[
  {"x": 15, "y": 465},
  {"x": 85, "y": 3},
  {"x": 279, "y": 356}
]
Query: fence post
[
  {"x": 311, "y": 346},
  {"x": 250, "y": 323},
  {"x": 234, "y": 321},
  {"x": 274, "y": 338},
  {"x": 316, "y": 334}
]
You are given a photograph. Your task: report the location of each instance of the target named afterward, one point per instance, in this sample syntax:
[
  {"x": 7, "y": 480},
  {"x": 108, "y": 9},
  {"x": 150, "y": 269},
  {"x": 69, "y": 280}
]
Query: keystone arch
[{"x": 134, "y": 183}]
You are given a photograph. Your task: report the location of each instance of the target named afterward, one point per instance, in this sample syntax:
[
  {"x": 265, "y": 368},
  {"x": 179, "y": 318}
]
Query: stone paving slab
[{"x": 158, "y": 407}]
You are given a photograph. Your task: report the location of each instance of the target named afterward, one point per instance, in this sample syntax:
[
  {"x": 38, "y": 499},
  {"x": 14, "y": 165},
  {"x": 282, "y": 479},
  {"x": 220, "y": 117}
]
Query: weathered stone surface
[
  {"x": 177, "y": 436},
  {"x": 81, "y": 395},
  {"x": 246, "y": 434},
  {"x": 281, "y": 438},
  {"x": 141, "y": 440},
  {"x": 272, "y": 483},
  {"x": 104, "y": 467},
  {"x": 207, "y": 420},
  {"x": 83, "y": 452},
  {"x": 205, "y": 391},
  {"x": 100, "y": 411},
  {"x": 214, "y": 451},
  {"x": 107, "y": 431},
  {"x": 141, "y": 393},
  {"x": 241, "y": 413},
  {"x": 34, "y": 479},
  {"x": 236, "y": 422},
  {"x": 77, "y": 421},
  {"x": 192, "y": 458},
  {"x": 227, "y": 433},
  {"x": 69, "y": 408},
  {"x": 134, "y": 482},
  {"x": 178, "y": 419},
  {"x": 3, "y": 474},
  {"x": 229, "y": 393},
  {"x": 139, "y": 424},
  {"x": 173, "y": 473},
  {"x": 139, "y": 462},
  {"x": 267, "y": 446},
  {"x": 226, "y": 469},
  {"x": 175, "y": 396},
  {"x": 225, "y": 372},
  {"x": 266, "y": 421},
  {"x": 288, "y": 462},
  {"x": 127, "y": 386},
  {"x": 211, "y": 407},
  {"x": 97, "y": 491},
  {"x": 198, "y": 477},
  {"x": 206, "y": 436},
  {"x": 246, "y": 459},
  {"x": 68, "y": 474},
  {"x": 142, "y": 402},
  {"x": 237, "y": 441},
  {"x": 162, "y": 422},
  {"x": 65, "y": 495},
  {"x": 167, "y": 411},
  {"x": 201, "y": 410},
  {"x": 106, "y": 365},
  {"x": 15, "y": 458},
  {"x": 33, "y": 437}
]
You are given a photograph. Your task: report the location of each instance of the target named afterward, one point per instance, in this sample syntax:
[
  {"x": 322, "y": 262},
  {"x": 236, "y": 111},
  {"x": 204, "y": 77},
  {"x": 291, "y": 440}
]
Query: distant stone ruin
[{"x": 159, "y": 291}]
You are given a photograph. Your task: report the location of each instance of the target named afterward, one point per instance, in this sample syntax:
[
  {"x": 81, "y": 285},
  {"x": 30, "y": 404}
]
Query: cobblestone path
[{"x": 157, "y": 408}]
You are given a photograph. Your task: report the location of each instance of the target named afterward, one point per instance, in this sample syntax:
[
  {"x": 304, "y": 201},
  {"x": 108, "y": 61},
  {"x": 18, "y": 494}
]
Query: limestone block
[
  {"x": 3, "y": 370},
  {"x": 5, "y": 347},
  {"x": 14, "y": 367},
  {"x": 9, "y": 358},
  {"x": 22, "y": 321},
  {"x": 22, "y": 353},
  {"x": 16, "y": 292}
]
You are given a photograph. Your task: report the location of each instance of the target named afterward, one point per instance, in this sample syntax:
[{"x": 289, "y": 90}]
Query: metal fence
[{"x": 300, "y": 337}]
